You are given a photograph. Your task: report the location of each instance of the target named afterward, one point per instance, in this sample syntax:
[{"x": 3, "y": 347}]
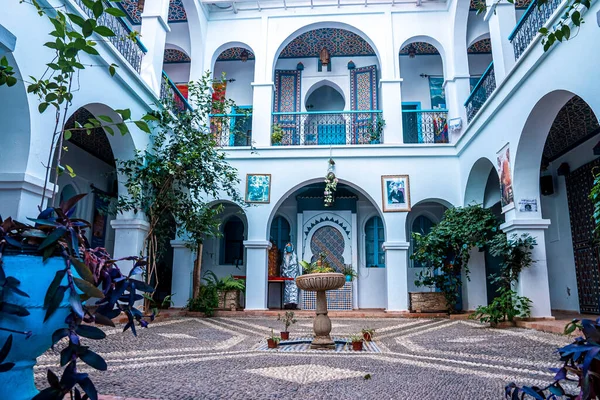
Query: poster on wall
[
  {"x": 395, "y": 191},
  {"x": 258, "y": 188},
  {"x": 100, "y": 220},
  {"x": 506, "y": 190},
  {"x": 436, "y": 90}
]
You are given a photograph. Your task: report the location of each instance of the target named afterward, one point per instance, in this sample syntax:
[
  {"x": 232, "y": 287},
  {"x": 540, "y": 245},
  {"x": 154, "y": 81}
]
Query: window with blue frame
[
  {"x": 240, "y": 126},
  {"x": 421, "y": 225},
  {"x": 374, "y": 238},
  {"x": 232, "y": 250}
]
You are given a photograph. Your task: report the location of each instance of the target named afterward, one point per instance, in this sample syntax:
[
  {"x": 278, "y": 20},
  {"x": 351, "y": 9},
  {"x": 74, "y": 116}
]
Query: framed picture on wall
[
  {"x": 395, "y": 192},
  {"x": 258, "y": 188}
]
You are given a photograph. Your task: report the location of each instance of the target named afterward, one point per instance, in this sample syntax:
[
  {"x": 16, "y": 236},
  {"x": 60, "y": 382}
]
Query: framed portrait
[
  {"x": 506, "y": 190},
  {"x": 395, "y": 192},
  {"x": 258, "y": 188}
]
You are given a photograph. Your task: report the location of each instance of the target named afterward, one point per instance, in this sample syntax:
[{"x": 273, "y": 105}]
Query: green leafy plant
[
  {"x": 376, "y": 130},
  {"x": 177, "y": 177},
  {"x": 206, "y": 301},
  {"x": 223, "y": 284},
  {"x": 349, "y": 271},
  {"x": 287, "y": 319},
  {"x": 277, "y": 134},
  {"x": 356, "y": 338},
  {"x": 505, "y": 307},
  {"x": 594, "y": 196},
  {"x": 319, "y": 266},
  {"x": 369, "y": 331},
  {"x": 274, "y": 338},
  {"x": 445, "y": 250}
]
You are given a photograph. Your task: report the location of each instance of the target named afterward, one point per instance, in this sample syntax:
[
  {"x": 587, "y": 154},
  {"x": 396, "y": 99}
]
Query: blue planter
[
  {"x": 35, "y": 277},
  {"x": 348, "y": 278}
]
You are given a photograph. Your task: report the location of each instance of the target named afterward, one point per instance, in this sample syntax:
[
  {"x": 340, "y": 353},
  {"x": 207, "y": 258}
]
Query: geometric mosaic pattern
[
  {"x": 363, "y": 88},
  {"x": 174, "y": 56},
  {"x": 176, "y": 11},
  {"x": 341, "y": 224},
  {"x": 338, "y": 42},
  {"x": 573, "y": 123},
  {"x": 96, "y": 143},
  {"x": 287, "y": 91},
  {"x": 305, "y": 374},
  {"x": 234, "y": 54},
  {"x": 420, "y": 48},
  {"x": 337, "y": 300},
  {"x": 483, "y": 46},
  {"x": 330, "y": 241},
  {"x": 342, "y": 345}
]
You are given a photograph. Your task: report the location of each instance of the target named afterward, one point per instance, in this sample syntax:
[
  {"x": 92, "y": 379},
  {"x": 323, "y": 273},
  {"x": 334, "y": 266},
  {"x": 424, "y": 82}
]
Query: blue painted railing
[
  {"x": 425, "y": 126},
  {"x": 481, "y": 92},
  {"x": 231, "y": 130},
  {"x": 170, "y": 94},
  {"x": 530, "y": 23},
  {"x": 328, "y": 128},
  {"x": 131, "y": 49}
]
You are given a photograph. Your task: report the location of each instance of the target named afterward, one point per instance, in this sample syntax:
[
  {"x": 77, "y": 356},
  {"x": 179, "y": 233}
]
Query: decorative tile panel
[
  {"x": 176, "y": 11},
  {"x": 96, "y": 143},
  {"x": 330, "y": 241},
  {"x": 234, "y": 54},
  {"x": 421, "y": 48},
  {"x": 337, "y": 300},
  {"x": 174, "y": 56},
  {"x": 363, "y": 88},
  {"x": 338, "y": 42},
  {"x": 483, "y": 46}
]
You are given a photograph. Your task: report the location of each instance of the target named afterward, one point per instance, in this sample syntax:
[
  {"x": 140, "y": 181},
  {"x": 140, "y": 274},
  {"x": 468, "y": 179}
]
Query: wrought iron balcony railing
[
  {"x": 170, "y": 94},
  {"x": 425, "y": 126},
  {"x": 130, "y": 48},
  {"x": 327, "y": 128},
  {"x": 481, "y": 92},
  {"x": 530, "y": 23},
  {"x": 231, "y": 130}
]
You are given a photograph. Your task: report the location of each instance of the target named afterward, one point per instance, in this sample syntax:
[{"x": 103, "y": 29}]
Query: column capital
[
  {"x": 178, "y": 243},
  {"x": 259, "y": 84},
  {"x": 395, "y": 246},
  {"x": 257, "y": 244},
  {"x": 130, "y": 224},
  {"x": 524, "y": 224},
  {"x": 161, "y": 20}
]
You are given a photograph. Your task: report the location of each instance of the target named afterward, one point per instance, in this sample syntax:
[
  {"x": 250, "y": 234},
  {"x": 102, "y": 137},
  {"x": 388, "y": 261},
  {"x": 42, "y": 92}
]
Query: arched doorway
[
  {"x": 325, "y": 124},
  {"x": 555, "y": 164}
]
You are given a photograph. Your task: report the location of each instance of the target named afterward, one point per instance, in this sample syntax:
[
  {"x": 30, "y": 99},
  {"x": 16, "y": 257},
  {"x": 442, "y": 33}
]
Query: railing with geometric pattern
[
  {"x": 425, "y": 126},
  {"x": 481, "y": 92},
  {"x": 329, "y": 127},
  {"x": 131, "y": 49},
  {"x": 170, "y": 93},
  {"x": 231, "y": 130},
  {"x": 530, "y": 23}
]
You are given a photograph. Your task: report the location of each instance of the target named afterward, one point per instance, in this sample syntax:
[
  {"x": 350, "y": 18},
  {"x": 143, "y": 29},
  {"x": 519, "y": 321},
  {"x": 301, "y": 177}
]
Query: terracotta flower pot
[
  {"x": 367, "y": 336},
  {"x": 357, "y": 346},
  {"x": 272, "y": 344},
  {"x": 285, "y": 335}
]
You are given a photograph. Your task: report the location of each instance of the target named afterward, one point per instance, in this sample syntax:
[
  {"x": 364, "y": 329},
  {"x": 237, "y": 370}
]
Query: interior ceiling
[
  {"x": 315, "y": 191},
  {"x": 338, "y": 42},
  {"x": 96, "y": 143},
  {"x": 233, "y": 54},
  {"x": 518, "y": 3},
  {"x": 176, "y": 11},
  {"x": 174, "y": 56},
  {"x": 574, "y": 123},
  {"x": 483, "y": 46},
  {"x": 260, "y": 5}
]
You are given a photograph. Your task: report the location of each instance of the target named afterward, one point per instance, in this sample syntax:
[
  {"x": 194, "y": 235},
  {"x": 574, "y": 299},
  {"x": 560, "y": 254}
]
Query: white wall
[
  {"x": 179, "y": 36},
  {"x": 179, "y": 72},
  {"x": 239, "y": 91},
  {"x": 478, "y": 63},
  {"x": 414, "y": 87}
]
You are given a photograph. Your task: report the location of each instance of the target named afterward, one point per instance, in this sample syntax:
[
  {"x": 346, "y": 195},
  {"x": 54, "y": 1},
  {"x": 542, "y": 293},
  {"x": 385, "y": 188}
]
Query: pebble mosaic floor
[{"x": 226, "y": 358}]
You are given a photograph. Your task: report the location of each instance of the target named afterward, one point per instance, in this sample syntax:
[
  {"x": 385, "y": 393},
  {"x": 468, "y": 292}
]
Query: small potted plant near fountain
[
  {"x": 273, "y": 341},
  {"x": 287, "y": 319},
  {"x": 349, "y": 272},
  {"x": 357, "y": 342},
  {"x": 368, "y": 334},
  {"x": 320, "y": 277}
]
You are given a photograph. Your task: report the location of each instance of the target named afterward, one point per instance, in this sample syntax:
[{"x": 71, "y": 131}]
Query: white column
[
  {"x": 501, "y": 19},
  {"x": 457, "y": 90},
  {"x": 262, "y": 105},
  {"x": 7, "y": 41},
  {"x": 130, "y": 235},
  {"x": 20, "y": 195},
  {"x": 154, "y": 35},
  {"x": 391, "y": 105},
  {"x": 355, "y": 260},
  {"x": 183, "y": 268},
  {"x": 474, "y": 290},
  {"x": 396, "y": 265},
  {"x": 533, "y": 281},
  {"x": 256, "y": 274}
]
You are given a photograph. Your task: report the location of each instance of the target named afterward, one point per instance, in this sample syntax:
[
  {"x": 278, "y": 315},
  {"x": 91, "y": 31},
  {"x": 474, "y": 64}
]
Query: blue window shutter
[{"x": 374, "y": 238}]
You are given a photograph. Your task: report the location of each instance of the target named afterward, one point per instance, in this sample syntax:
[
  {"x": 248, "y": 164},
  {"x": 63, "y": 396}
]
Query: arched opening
[
  {"x": 233, "y": 74},
  {"x": 232, "y": 249},
  {"x": 480, "y": 57},
  {"x": 424, "y": 113},
  {"x": 326, "y": 115},
  {"x": 176, "y": 65},
  {"x": 349, "y": 232},
  {"x": 554, "y": 167}
]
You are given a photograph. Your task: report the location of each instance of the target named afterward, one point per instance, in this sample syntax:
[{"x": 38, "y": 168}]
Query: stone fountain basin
[{"x": 321, "y": 282}]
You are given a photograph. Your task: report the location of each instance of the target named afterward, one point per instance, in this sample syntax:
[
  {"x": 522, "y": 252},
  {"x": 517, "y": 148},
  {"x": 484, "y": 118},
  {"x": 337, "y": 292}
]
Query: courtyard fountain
[{"x": 320, "y": 283}]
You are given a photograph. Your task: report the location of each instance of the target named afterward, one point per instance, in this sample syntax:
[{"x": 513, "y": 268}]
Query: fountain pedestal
[{"x": 320, "y": 283}]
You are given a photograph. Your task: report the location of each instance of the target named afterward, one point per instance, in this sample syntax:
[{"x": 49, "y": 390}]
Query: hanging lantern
[
  {"x": 412, "y": 51},
  {"x": 244, "y": 55},
  {"x": 140, "y": 5}
]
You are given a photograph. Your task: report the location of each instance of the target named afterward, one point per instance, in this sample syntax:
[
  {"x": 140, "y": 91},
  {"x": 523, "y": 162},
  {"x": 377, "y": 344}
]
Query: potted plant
[
  {"x": 357, "y": 342},
  {"x": 287, "y": 319},
  {"x": 277, "y": 135},
  {"x": 349, "y": 272},
  {"x": 228, "y": 290},
  {"x": 368, "y": 334},
  {"x": 273, "y": 341}
]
